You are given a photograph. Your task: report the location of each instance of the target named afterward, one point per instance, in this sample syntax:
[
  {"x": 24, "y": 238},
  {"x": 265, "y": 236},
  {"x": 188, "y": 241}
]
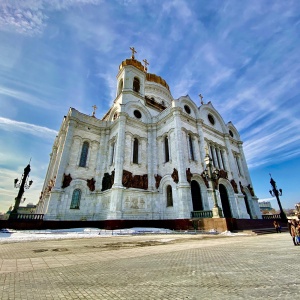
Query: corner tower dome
[
  {"x": 149, "y": 77},
  {"x": 133, "y": 77}
]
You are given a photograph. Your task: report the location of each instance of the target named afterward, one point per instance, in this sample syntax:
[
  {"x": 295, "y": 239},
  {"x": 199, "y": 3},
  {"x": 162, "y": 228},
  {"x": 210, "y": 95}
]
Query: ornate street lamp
[
  {"x": 276, "y": 193},
  {"x": 22, "y": 185},
  {"x": 212, "y": 176}
]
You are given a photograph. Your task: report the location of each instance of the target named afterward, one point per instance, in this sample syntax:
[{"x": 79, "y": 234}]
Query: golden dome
[
  {"x": 132, "y": 62},
  {"x": 149, "y": 77},
  {"x": 157, "y": 79}
]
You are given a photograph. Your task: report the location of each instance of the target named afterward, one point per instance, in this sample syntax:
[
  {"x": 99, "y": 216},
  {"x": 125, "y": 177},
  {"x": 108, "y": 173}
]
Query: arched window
[
  {"x": 135, "y": 158},
  {"x": 169, "y": 196},
  {"x": 191, "y": 148},
  {"x": 120, "y": 87},
  {"x": 84, "y": 154},
  {"x": 167, "y": 157},
  {"x": 75, "y": 203},
  {"x": 136, "y": 84},
  {"x": 112, "y": 153}
]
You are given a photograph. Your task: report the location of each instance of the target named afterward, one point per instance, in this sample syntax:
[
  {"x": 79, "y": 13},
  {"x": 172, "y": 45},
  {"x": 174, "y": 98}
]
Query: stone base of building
[{"x": 206, "y": 224}]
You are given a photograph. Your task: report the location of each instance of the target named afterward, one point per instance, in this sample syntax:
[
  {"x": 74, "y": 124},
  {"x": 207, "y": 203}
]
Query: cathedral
[{"x": 150, "y": 157}]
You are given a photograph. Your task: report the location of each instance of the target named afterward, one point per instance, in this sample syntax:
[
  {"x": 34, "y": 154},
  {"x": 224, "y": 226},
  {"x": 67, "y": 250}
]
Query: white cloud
[
  {"x": 16, "y": 126},
  {"x": 29, "y": 17},
  {"x": 23, "y": 97}
]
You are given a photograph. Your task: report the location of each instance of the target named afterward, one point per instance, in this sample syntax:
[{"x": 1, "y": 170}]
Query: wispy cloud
[
  {"x": 23, "y": 97},
  {"x": 29, "y": 17},
  {"x": 16, "y": 126}
]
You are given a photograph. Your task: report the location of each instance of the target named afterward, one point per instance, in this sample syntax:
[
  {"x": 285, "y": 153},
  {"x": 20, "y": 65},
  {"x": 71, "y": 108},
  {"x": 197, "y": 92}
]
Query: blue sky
[{"x": 243, "y": 56}]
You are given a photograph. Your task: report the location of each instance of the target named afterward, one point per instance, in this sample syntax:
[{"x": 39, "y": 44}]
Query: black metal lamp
[{"x": 276, "y": 193}]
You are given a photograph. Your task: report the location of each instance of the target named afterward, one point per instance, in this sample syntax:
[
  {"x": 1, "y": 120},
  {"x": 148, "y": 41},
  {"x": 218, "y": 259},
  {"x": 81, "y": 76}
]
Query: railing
[
  {"x": 201, "y": 214},
  {"x": 271, "y": 217},
  {"x": 26, "y": 216}
]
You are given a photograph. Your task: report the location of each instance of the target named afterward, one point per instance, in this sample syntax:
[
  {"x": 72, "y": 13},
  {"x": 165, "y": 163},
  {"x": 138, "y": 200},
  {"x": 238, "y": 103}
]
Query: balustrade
[{"x": 201, "y": 214}]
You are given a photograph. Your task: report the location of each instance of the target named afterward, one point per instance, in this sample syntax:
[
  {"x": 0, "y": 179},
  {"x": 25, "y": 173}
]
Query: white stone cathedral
[{"x": 148, "y": 158}]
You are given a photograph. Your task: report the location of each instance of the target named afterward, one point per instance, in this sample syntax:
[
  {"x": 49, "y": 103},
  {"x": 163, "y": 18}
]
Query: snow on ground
[{"x": 10, "y": 235}]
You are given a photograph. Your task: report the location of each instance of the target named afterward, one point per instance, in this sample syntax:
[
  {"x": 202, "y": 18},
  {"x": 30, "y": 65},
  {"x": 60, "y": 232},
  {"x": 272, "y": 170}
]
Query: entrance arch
[
  {"x": 196, "y": 196},
  {"x": 225, "y": 201}
]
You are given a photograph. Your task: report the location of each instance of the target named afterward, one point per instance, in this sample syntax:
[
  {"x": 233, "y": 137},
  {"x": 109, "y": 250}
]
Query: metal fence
[{"x": 201, "y": 214}]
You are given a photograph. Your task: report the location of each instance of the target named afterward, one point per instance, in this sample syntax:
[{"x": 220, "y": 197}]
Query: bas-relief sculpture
[
  {"x": 107, "y": 181},
  {"x": 134, "y": 181},
  {"x": 133, "y": 203},
  {"x": 234, "y": 186},
  {"x": 91, "y": 184},
  {"x": 189, "y": 175},
  {"x": 175, "y": 175},
  {"x": 66, "y": 180},
  {"x": 157, "y": 180}
]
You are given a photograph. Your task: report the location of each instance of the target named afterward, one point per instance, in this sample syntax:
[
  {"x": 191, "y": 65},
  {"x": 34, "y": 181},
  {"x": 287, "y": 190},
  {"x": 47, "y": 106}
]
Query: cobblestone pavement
[{"x": 152, "y": 267}]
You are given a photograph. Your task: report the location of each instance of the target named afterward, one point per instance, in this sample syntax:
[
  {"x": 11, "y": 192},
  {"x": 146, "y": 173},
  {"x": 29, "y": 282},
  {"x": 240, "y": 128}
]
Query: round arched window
[
  {"x": 136, "y": 84},
  {"x": 231, "y": 133},
  {"x": 211, "y": 119},
  {"x": 115, "y": 116},
  {"x": 187, "y": 109},
  {"x": 137, "y": 114}
]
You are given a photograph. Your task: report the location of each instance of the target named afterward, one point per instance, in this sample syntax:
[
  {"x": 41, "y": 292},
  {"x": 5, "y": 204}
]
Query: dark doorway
[
  {"x": 247, "y": 206},
  {"x": 196, "y": 196},
  {"x": 225, "y": 201}
]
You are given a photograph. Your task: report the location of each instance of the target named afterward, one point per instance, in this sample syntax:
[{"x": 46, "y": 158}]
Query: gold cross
[
  {"x": 201, "y": 97},
  {"x": 133, "y": 51},
  {"x": 94, "y": 107},
  {"x": 146, "y": 64}
]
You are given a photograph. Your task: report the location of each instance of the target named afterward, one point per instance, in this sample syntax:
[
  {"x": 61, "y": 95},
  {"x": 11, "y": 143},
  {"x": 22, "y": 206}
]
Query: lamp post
[
  {"x": 212, "y": 177},
  {"x": 22, "y": 185},
  {"x": 276, "y": 193}
]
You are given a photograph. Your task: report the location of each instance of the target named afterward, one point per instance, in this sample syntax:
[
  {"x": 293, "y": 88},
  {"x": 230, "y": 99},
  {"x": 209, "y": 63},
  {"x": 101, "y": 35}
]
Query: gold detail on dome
[
  {"x": 157, "y": 79},
  {"x": 132, "y": 62},
  {"x": 135, "y": 63}
]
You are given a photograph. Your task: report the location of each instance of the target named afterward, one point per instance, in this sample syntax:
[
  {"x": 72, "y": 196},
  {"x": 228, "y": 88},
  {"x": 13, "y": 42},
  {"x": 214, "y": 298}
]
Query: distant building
[
  {"x": 28, "y": 209},
  {"x": 144, "y": 160},
  {"x": 297, "y": 210},
  {"x": 3, "y": 216},
  {"x": 265, "y": 206}
]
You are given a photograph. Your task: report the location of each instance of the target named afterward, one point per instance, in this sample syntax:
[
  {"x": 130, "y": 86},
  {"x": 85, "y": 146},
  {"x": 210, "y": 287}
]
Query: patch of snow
[
  {"x": 229, "y": 233},
  {"x": 9, "y": 235}
]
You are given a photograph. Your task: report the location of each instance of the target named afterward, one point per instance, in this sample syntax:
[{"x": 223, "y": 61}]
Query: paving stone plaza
[{"x": 152, "y": 267}]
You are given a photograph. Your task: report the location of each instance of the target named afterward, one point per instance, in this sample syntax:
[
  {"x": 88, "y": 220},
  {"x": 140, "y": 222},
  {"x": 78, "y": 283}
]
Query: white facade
[{"x": 144, "y": 160}]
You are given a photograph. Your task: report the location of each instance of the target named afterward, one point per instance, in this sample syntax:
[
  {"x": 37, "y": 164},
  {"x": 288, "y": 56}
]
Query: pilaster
[
  {"x": 64, "y": 159},
  {"x": 151, "y": 156},
  {"x": 180, "y": 159},
  {"x": 120, "y": 152},
  {"x": 202, "y": 142}
]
